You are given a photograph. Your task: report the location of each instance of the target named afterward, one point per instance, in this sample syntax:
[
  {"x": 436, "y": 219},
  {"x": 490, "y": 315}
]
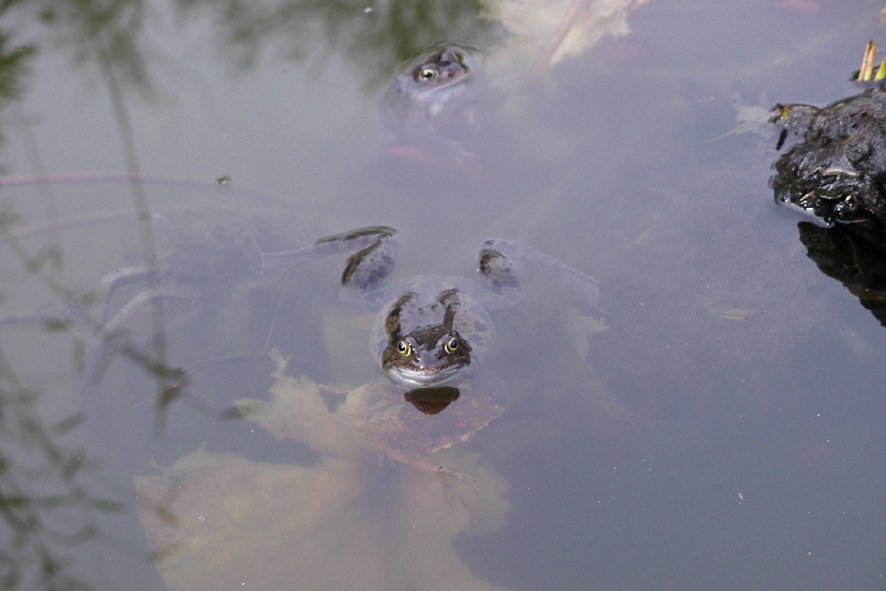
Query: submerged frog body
[
  {"x": 431, "y": 331},
  {"x": 430, "y": 104}
]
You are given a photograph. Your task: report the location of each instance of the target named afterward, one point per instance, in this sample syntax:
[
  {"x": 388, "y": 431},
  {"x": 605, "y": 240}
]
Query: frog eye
[
  {"x": 404, "y": 349},
  {"x": 451, "y": 346},
  {"x": 428, "y": 74}
]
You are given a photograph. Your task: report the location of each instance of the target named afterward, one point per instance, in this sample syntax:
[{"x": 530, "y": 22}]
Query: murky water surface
[{"x": 724, "y": 431}]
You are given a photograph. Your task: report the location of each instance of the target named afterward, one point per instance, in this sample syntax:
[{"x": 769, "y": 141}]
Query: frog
[
  {"x": 430, "y": 105},
  {"x": 430, "y": 337},
  {"x": 431, "y": 331}
]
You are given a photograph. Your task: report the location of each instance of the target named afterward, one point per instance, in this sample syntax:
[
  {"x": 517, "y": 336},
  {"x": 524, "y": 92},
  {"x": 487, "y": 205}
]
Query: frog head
[
  {"x": 423, "y": 347},
  {"x": 440, "y": 70}
]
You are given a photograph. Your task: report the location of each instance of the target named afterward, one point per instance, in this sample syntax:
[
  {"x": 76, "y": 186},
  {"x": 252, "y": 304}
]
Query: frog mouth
[{"x": 412, "y": 377}]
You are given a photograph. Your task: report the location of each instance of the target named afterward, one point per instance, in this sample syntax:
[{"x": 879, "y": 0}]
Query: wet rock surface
[{"x": 837, "y": 169}]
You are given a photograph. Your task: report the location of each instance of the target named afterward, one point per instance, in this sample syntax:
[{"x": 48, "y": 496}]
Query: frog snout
[{"x": 428, "y": 359}]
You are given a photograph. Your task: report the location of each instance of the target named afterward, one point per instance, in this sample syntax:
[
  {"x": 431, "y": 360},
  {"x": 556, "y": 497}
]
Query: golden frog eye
[
  {"x": 404, "y": 349},
  {"x": 451, "y": 346},
  {"x": 428, "y": 73}
]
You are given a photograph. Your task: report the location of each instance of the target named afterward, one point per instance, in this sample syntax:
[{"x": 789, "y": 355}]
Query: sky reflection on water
[{"x": 725, "y": 431}]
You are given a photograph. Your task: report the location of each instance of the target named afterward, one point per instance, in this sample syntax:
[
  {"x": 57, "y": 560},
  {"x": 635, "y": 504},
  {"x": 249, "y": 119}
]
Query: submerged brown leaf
[{"x": 346, "y": 522}]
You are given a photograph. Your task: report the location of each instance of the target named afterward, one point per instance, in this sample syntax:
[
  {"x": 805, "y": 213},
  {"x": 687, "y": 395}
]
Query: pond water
[{"x": 725, "y": 429}]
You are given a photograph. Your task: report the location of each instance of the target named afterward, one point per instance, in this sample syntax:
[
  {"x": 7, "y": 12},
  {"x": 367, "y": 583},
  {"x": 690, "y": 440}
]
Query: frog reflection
[
  {"x": 431, "y": 331},
  {"x": 432, "y": 400}
]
